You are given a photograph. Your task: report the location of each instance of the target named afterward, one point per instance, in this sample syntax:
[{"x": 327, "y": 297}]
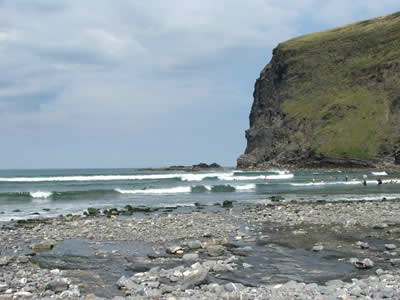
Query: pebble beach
[{"x": 307, "y": 250}]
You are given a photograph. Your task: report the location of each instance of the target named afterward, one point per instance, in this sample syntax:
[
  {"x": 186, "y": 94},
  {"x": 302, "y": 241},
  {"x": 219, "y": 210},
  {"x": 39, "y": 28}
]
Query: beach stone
[
  {"x": 92, "y": 297},
  {"x": 22, "y": 259},
  {"x": 362, "y": 245},
  {"x": 194, "y": 244},
  {"x": 23, "y": 295},
  {"x": 57, "y": 286},
  {"x": 70, "y": 294},
  {"x": 390, "y": 246},
  {"x": 3, "y": 287},
  {"x": 190, "y": 256},
  {"x": 317, "y": 248},
  {"x": 44, "y": 245},
  {"x": 215, "y": 250},
  {"x": 127, "y": 283},
  {"x": 5, "y": 260},
  {"x": 395, "y": 262},
  {"x": 195, "y": 278},
  {"x": 364, "y": 264},
  {"x": 174, "y": 249},
  {"x": 380, "y": 226},
  {"x": 221, "y": 267},
  {"x": 379, "y": 272},
  {"x": 233, "y": 287}
]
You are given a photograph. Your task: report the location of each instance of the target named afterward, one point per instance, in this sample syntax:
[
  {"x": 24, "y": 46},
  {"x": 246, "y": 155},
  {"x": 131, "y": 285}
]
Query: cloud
[{"x": 173, "y": 75}]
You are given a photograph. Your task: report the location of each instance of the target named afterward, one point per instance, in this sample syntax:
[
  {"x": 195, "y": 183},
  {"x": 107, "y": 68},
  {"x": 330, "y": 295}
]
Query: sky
[{"x": 130, "y": 83}]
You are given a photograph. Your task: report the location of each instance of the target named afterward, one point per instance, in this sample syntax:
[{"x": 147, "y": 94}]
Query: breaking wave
[
  {"x": 231, "y": 176},
  {"x": 379, "y": 173}
]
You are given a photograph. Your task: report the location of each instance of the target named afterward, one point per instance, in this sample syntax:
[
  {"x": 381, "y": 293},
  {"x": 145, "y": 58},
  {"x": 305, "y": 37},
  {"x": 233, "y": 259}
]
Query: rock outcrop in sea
[{"x": 329, "y": 99}]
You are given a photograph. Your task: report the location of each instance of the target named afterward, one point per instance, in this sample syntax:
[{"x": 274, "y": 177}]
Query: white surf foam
[
  {"x": 208, "y": 187},
  {"x": 227, "y": 176},
  {"x": 379, "y": 173},
  {"x": 280, "y": 176},
  {"x": 259, "y": 177},
  {"x": 245, "y": 187},
  {"x": 184, "y": 177},
  {"x": 175, "y": 190},
  {"x": 330, "y": 183},
  {"x": 40, "y": 194}
]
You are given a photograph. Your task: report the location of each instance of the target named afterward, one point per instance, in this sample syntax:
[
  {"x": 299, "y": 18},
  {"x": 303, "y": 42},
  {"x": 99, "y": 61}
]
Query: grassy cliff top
[{"x": 346, "y": 83}]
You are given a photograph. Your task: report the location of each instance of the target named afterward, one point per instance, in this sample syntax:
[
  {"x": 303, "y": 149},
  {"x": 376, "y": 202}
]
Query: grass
[{"x": 342, "y": 81}]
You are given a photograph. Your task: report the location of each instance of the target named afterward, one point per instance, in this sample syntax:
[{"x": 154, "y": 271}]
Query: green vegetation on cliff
[
  {"x": 338, "y": 92},
  {"x": 350, "y": 111}
]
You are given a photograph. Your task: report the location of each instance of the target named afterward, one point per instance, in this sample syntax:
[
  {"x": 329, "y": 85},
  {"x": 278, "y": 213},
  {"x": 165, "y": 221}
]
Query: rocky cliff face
[{"x": 329, "y": 99}]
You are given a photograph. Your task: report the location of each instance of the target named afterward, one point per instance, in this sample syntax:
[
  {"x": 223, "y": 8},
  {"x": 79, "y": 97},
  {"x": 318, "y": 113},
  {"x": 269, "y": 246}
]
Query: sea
[{"x": 48, "y": 193}]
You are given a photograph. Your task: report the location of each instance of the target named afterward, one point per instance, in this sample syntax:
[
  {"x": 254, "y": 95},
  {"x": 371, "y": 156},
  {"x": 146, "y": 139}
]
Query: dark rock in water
[
  {"x": 227, "y": 203},
  {"x": 113, "y": 212},
  {"x": 206, "y": 166},
  {"x": 91, "y": 211},
  {"x": 57, "y": 286},
  {"x": 296, "y": 118},
  {"x": 215, "y": 165},
  {"x": 276, "y": 198},
  {"x": 16, "y": 210},
  {"x": 127, "y": 213},
  {"x": 35, "y": 214},
  {"x": 142, "y": 209},
  {"x": 46, "y": 209},
  {"x": 129, "y": 207}
]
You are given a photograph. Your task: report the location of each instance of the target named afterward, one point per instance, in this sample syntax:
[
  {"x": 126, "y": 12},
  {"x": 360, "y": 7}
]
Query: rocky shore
[{"x": 320, "y": 250}]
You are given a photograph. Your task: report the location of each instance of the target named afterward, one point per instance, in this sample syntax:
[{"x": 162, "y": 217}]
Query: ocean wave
[
  {"x": 329, "y": 183},
  {"x": 258, "y": 177},
  {"x": 379, "y": 173},
  {"x": 25, "y": 195},
  {"x": 231, "y": 176},
  {"x": 56, "y": 195},
  {"x": 175, "y": 190},
  {"x": 245, "y": 187},
  {"x": 183, "y": 177},
  {"x": 40, "y": 194},
  {"x": 190, "y": 189}
]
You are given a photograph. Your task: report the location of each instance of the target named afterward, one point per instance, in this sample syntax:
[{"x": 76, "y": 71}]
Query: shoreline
[{"x": 313, "y": 246}]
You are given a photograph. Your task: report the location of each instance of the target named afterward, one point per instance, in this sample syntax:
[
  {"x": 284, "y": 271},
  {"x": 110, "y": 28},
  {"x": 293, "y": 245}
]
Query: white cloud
[{"x": 145, "y": 68}]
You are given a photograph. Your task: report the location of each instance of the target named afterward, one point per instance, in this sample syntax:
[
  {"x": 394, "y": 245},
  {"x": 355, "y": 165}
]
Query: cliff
[{"x": 329, "y": 99}]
